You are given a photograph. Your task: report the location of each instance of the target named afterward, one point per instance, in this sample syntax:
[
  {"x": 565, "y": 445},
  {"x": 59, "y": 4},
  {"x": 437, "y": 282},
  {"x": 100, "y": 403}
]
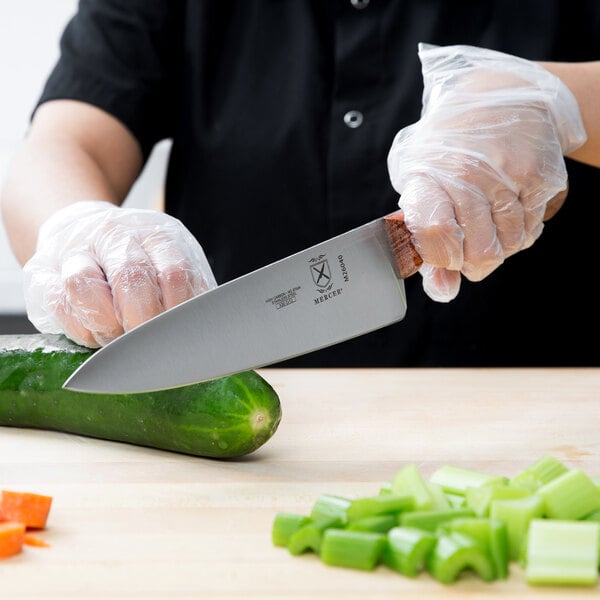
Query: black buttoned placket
[{"x": 356, "y": 97}]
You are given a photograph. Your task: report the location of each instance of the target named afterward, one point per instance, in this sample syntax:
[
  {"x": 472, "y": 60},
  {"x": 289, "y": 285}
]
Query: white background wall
[{"x": 29, "y": 37}]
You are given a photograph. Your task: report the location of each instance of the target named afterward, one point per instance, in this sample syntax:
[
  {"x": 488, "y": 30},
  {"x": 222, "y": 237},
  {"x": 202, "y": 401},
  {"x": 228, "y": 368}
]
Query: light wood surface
[{"x": 131, "y": 522}]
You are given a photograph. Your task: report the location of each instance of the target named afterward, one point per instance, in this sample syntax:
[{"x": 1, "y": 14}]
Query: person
[{"x": 292, "y": 122}]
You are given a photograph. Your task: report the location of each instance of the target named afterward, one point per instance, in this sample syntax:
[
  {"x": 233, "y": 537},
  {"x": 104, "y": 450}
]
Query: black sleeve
[{"x": 122, "y": 58}]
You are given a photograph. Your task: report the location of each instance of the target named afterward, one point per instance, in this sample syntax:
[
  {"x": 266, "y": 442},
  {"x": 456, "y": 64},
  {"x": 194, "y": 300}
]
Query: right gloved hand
[
  {"x": 483, "y": 168},
  {"x": 100, "y": 270}
]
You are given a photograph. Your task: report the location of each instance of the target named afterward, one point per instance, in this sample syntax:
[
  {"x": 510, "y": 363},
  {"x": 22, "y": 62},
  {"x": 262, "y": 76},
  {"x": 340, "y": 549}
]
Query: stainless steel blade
[{"x": 337, "y": 290}]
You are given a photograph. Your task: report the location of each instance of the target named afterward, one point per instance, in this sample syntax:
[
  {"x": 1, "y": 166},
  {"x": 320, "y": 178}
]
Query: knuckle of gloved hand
[{"x": 177, "y": 276}]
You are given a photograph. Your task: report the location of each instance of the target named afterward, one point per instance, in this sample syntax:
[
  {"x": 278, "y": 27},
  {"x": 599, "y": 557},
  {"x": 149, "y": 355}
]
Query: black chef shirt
[{"x": 281, "y": 114}]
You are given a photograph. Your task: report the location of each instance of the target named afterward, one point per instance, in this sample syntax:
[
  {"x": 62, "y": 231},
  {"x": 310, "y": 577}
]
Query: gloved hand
[
  {"x": 483, "y": 167},
  {"x": 100, "y": 270}
]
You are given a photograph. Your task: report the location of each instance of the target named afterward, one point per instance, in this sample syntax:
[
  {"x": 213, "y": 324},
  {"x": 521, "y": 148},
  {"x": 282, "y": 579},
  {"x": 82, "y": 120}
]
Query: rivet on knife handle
[{"x": 406, "y": 258}]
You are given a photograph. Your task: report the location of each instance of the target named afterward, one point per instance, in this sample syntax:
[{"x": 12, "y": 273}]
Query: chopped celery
[
  {"x": 284, "y": 525},
  {"x": 492, "y": 536},
  {"x": 460, "y": 519},
  {"x": 539, "y": 473},
  {"x": 376, "y": 523},
  {"x": 378, "y": 505},
  {"x": 480, "y": 498},
  {"x": 439, "y": 497},
  {"x": 593, "y": 516},
  {"x": 572, "y": 495},
  {"x": 517, "y": 514},
  {"x": 562, "y": 552},
  {"x": 309, "y": 537},
  {"x": 455, "y": 552},
  {"x": 328, "y": 506},
  {"x": 386, "y": 488},
  {"x": 354, "y": 549},
  {"x": 456, "y": 480},
  {"x": 407, "y": 549},
  {"x": 409, "y": 480},
  {"x": 455, "y": 500},
  {"x": 430, "y": 520}
]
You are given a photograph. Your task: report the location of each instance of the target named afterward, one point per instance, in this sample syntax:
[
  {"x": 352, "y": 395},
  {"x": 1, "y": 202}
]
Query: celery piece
[
  {"x": 284, "y": 525},
  {"x": 440, "y": 501},
  {"x": 456, "y": 480},
  {"x": 455, "y": 500},
  {"x": 562, "y": 552},
  {"x": 376, "y": 523},
  {"x": 409, "y": 480},
  {"x": 353, "y": 549},
  {"x": 492, "y": 536},
  {"x": 596, "y": 481},
  {"x": 570, "y": 496},
  {"x": 386, "y": 488},
  {"x": 407, "y": 549},
  {"x": 328, "y": 506},
  {"x": 430, "y": 520},
  {"x": 517, "y": 514},
  {"x": 378, "y": 505},
  {"x": 593, "y": 516},
  {"x": 480, "y": 498},
  {"x": 309, "y": 537},
  {"x": 455, "y": 552},
  {"x": 539, "y": 473}
]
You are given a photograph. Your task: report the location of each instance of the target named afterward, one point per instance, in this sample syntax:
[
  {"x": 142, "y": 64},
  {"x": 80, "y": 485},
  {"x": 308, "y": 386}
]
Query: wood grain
[{"x": 131, "y": 522}]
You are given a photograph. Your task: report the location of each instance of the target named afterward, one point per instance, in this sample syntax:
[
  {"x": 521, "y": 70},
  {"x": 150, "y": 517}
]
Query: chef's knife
[{"x": 339, "y": 289}]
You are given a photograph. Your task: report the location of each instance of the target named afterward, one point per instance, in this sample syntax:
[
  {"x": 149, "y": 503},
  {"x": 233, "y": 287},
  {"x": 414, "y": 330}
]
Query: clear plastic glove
[
  {"x": 100, "y": 270},
  {"x": 483, "y": 167}
]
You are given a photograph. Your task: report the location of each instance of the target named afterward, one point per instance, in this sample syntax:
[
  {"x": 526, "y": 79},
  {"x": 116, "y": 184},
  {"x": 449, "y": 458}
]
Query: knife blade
[{"x": 334, "y": 291}]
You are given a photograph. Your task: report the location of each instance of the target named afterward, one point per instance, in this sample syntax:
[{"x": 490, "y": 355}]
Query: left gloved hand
[{"x": 483, "y": 167}]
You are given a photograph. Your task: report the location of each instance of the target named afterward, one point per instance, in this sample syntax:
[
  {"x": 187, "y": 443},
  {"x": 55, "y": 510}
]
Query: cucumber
[{"x": 224, "y": 418}]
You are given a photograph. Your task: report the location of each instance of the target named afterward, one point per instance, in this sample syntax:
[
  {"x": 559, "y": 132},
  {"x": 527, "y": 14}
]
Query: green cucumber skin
[{"x": 224, "y": 418}]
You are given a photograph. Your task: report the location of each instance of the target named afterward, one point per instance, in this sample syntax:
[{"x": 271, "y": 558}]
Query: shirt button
[
  {"x": 353, "y": 119},
  {"x": 360, "y": 4}
]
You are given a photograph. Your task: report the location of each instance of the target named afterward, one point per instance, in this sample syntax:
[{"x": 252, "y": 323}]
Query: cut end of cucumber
[{"x": 45, "y": 343}]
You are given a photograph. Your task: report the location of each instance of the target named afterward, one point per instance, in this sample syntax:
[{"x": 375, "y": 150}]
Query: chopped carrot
[
  {"x": 12, "y": 535},
  {"x": 25, "y": 507},
  {"x": 32, "y": 540}
]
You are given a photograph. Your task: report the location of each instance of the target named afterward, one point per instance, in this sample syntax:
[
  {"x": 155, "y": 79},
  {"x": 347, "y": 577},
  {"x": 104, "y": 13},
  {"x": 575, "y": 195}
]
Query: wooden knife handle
[{"x": 407, "y": 259}]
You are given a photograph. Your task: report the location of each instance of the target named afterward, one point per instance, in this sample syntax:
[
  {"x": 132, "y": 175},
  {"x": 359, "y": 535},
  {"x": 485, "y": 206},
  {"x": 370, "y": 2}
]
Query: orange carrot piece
[
  {"x": 32, "y": 540},
  {"x": 25, "y": 507},
  {"x": 12, "y": 535}
]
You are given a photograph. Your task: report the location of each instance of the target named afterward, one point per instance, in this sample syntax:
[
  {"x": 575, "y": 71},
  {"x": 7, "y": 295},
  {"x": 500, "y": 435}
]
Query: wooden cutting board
[{"x": 135, "y": 522}]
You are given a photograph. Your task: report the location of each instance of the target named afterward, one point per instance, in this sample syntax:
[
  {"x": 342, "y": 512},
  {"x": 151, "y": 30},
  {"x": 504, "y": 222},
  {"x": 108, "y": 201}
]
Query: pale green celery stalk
[
  {"x": 480, "y": 498},
  {"x": 490, "y": 534},
  {"x": 539, "y": 473},
  {"x": 517, "y": 514},
  {"x": 285, "y": 525},
  {"x": 353, "y": 549},
  {"x": 456, "y": 480},
  {"x": 407, "y": 550},
  {"x": 570, "y": 496},
  {"x": 596, "y": 481},
  {"x": 562, "y": 552},
  {"x": 379, "y": 505},
  {"x": 456, "y": 500},
  {"x": 386, "y": 488},
  {"x": 376, "y": 523},
  {"x": 430, "y": 520},
  {"x": 455, "y": 552},
  {"x": 409, "y": 480},
  {"x": 310, "y": 537},
  {"x": 593, "y": 516},
  {"x": 440, "y": 501},
  {"x": 328, "y": 506}
]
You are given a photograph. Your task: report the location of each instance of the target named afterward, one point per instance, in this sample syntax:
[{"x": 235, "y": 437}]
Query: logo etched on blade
[{"x": 321, "y": 273}]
